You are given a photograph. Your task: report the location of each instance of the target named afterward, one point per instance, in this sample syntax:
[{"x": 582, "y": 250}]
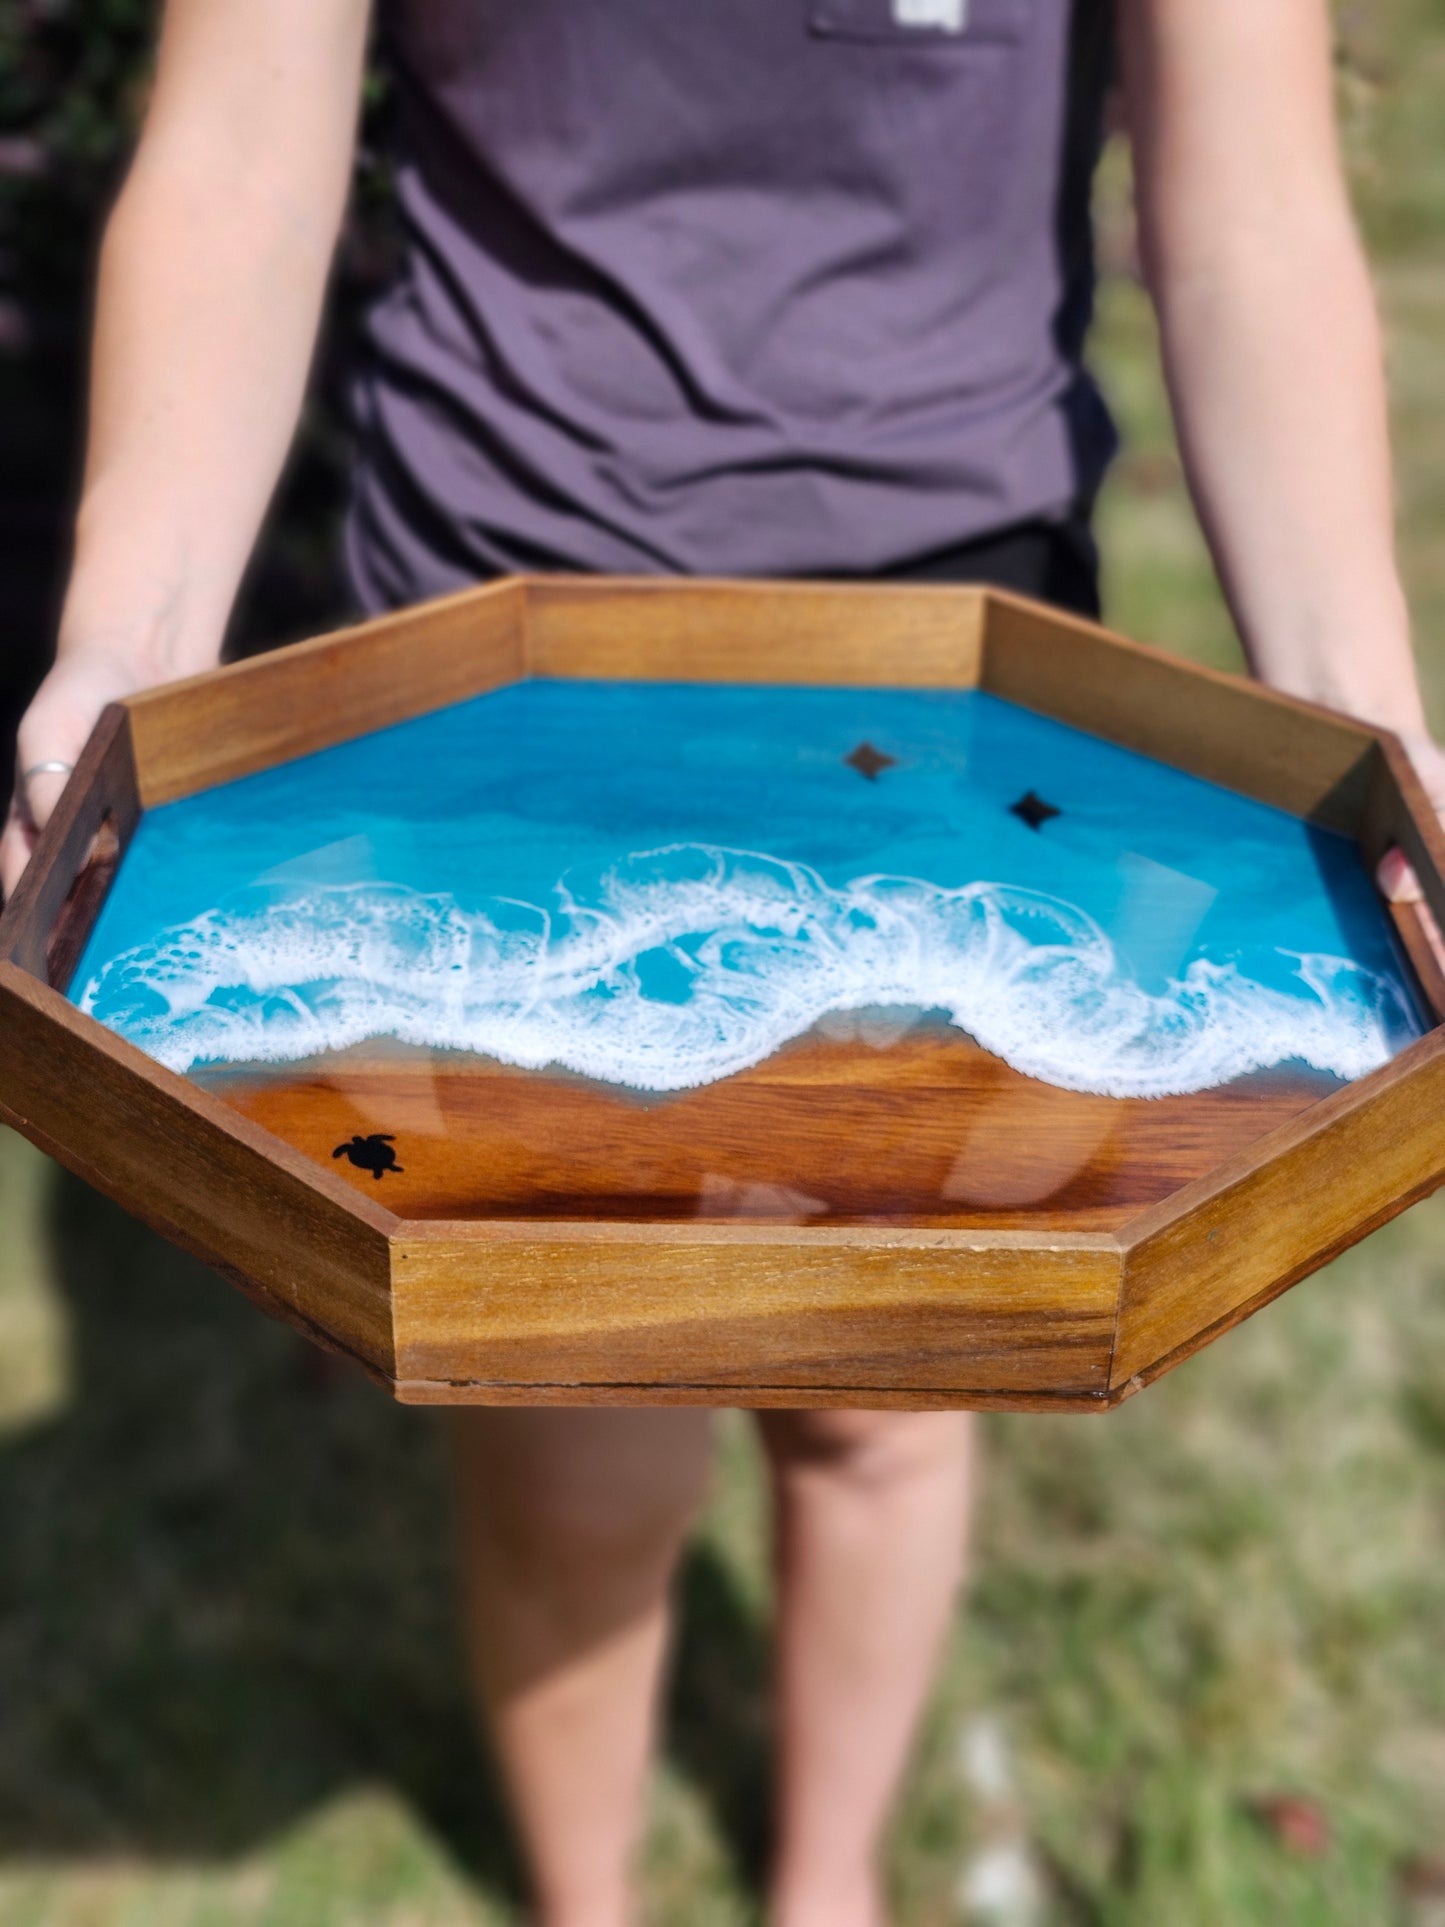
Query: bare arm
[
  {"x": 212, "y": 275},
  {"x": 1272, "y": 347}
]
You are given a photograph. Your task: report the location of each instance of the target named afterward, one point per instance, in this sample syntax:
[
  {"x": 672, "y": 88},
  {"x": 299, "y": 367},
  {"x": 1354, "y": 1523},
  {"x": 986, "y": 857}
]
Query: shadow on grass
[
  {"x": 226, "y": 1592},
  {"x": 718, "y": 1726}
]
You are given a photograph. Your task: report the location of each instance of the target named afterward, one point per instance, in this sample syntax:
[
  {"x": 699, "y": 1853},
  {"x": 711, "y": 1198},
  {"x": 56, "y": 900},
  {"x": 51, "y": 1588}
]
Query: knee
[
  {"x": 868, "y": 1451},
  {"x": 598, "y": 1506},
  {"x": 570, "y": 1535}
]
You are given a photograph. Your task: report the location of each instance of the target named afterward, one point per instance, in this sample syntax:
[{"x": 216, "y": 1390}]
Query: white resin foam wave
[{"x": 690, "y": 963}]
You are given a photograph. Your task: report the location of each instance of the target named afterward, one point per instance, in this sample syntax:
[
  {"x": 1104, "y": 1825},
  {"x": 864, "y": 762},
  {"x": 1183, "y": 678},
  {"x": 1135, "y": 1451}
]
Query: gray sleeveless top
[{"x": 773, "y": 287}]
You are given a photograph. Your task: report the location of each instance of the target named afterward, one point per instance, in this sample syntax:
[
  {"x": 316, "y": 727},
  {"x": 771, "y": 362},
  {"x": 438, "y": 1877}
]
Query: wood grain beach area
[{"x": 868, "y": 1128}]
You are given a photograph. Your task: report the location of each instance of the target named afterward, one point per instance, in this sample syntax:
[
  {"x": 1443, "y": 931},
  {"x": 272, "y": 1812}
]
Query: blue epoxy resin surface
[{"x": 660, "y": 884}]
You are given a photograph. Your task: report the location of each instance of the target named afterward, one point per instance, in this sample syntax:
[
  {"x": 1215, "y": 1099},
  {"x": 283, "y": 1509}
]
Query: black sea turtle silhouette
[
  {"x": 372, "y": 1153},
  {"x": 1033, "y": 810},
  {"x": 869, "y": 761}
]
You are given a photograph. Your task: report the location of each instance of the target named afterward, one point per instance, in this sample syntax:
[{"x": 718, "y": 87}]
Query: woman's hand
[{"x": 54, "y": 730}]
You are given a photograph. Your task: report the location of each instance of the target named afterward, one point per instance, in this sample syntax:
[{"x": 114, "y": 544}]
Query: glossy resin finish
[{"x": 792, "y": 1122}]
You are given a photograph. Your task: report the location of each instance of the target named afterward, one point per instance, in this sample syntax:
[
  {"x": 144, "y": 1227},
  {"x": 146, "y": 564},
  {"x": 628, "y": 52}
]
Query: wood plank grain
[
  {"x": 1283, "y": 1207},
  {"x": 1234, "y": 732},
  {"x": 195, "y": 1171},
  {"x": 732, "y": 1306},
  {"x": 46, "y": 922},
  {"x": 229, "y": 722},
  {"x": 661, "y": 629},
  {"x": 926, "y": 1128}
]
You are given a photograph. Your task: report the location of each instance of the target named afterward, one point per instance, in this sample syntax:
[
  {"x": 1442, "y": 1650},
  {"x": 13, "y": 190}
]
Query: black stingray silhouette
[
  {"x": 1033, "y": 810},
  {"x": 868, "y": 761},
  {"x": 372, "y": 1153}
]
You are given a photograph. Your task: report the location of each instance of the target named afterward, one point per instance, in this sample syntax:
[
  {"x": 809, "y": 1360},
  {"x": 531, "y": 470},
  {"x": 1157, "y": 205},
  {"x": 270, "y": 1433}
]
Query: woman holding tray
[{"x": 777, "y": 287}]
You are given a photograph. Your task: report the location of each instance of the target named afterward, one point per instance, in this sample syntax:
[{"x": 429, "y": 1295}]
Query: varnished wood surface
[
  {"x": 663, "y": 630},
  {"x": 1280, "y": 1209},
  {"x": 928, "y": 1130},
  {"x": 755, "y": 1307},
  {"x": 1239, "y": 734},
  {"x": 193, "y": 1169},
  {"x": 230, "y": 722}
]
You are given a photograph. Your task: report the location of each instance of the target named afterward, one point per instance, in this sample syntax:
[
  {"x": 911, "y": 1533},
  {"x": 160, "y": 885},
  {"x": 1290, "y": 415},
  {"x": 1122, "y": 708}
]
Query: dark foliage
[{"x": 73, "y": 75}]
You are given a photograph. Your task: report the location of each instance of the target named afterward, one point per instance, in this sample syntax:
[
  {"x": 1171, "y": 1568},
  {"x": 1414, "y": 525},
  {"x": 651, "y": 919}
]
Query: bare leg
[
  {"x": 872, "y": 1514},
  {"x": 570, "y": 1523}
]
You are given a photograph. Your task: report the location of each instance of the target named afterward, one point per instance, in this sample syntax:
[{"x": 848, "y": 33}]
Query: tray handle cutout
[
  {"x": 76, "y": 916},
  {"x": 46, "y": 923},
  {"x": 1413, "y": 923}
]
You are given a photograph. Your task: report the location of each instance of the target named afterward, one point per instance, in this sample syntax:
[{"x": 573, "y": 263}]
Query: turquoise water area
[{"x": 660, "y": 884}]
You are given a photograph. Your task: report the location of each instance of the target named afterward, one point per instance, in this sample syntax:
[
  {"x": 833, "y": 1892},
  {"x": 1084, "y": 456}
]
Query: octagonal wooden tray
[{"x": 576, "y": 1283}]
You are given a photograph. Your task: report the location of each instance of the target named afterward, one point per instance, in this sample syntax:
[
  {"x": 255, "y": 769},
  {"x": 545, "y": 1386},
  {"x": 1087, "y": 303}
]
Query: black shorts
[{"x": 1055, "y": 561}]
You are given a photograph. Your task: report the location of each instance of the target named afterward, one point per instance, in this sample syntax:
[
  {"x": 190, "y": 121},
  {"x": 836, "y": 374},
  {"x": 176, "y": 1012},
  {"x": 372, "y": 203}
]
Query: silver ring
[{"x": 53, "y": 768}]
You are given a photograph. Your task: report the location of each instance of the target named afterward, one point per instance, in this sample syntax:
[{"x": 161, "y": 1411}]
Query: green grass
[{"x": 230, "y": 1690}]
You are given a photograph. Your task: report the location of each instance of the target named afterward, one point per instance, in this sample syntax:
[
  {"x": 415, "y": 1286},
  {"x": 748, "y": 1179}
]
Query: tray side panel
[
  {"x": 1239, "y": 734},
  {"x": 56, "y": 901},
  {"x": 230, "y": 722},
  {"x": 225, "y": 1190},
  {"x": 593, "y": 1306},
  {"x": 660, "y": 629},
  {"x": 1397, "y": 811},
  {"x": 1297, "y": 1199}
]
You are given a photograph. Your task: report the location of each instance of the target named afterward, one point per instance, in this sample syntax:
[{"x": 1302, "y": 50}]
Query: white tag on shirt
[{"x": 947, "y": 16}]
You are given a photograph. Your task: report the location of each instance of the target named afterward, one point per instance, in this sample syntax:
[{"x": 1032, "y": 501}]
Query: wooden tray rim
[{"x": 107, "y": 778}]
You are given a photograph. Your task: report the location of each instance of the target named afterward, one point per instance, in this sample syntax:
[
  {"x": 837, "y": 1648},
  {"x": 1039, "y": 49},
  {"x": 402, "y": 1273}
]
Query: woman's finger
[
  {"x": 17, "y": 840},
  {"x": 37, "y": 791},
  {"x": 1397, "y": 879},
  {"x": 53, "y": 733},
  {"x": 39, "y": 788}
]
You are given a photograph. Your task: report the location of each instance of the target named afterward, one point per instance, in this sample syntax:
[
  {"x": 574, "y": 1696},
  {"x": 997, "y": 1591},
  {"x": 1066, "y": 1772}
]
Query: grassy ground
[{"x": 229, "y": 1689}]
